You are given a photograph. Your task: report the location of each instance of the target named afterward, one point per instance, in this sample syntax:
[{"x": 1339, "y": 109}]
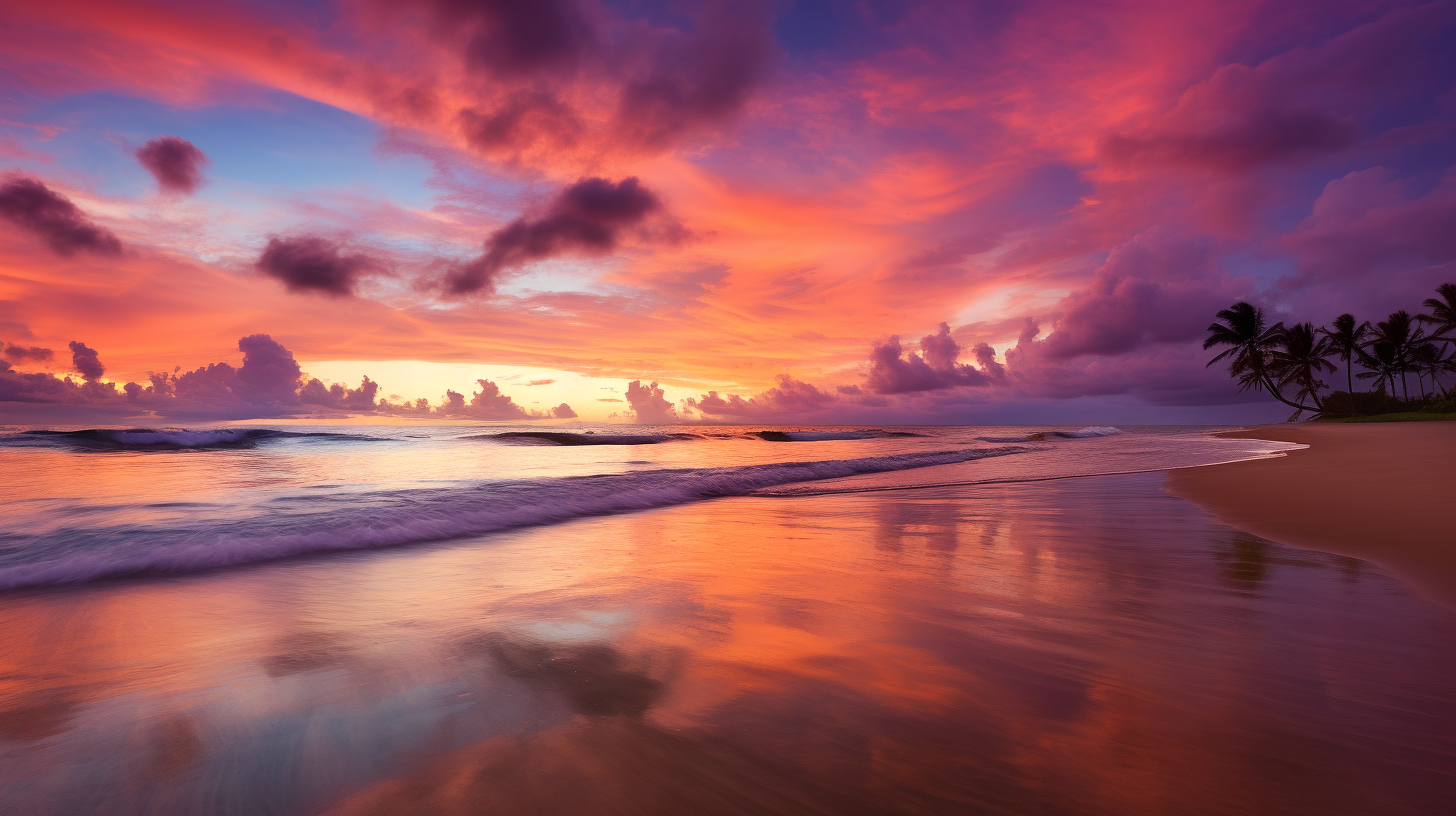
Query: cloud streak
[{"x": 587, "y": 217}]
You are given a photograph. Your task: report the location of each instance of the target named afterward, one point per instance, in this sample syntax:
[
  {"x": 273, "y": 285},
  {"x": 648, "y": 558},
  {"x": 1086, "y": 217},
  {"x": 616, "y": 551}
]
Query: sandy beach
[{"x": 1382, "y": 492}]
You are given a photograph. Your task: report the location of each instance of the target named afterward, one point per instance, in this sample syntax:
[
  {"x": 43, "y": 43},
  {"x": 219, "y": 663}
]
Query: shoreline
[{"x": 1381, "y": 492}]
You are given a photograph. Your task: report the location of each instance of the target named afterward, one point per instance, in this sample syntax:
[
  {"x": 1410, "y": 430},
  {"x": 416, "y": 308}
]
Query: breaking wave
[
  {"x": 167, "y": 438},
  {"x": 569, "y": 439},
  {"x": 825, "y": 436},
  {"x": 384, "y": 519},
  {"x": 1041, "y": 436}
]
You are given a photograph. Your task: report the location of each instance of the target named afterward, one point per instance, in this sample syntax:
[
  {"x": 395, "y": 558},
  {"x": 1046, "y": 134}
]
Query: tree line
[{"x": 1287, "y": 361}]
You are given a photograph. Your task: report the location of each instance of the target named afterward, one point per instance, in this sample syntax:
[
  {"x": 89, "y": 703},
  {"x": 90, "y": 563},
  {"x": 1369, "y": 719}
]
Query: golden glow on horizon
[{"x": 594, "y": 399}]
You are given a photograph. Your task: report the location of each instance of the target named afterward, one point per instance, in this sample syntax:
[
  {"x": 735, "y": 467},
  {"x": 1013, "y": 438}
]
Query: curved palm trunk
[{"x": 1274, "y": 392}]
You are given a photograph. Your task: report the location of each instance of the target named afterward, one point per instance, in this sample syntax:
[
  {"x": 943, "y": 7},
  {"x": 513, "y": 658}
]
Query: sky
[{"x": 790, "y": 211}]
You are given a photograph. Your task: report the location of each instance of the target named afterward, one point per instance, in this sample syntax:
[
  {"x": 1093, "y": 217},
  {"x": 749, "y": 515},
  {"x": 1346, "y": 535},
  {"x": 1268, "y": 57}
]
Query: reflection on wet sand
[{"x": 1080, "y": 647}]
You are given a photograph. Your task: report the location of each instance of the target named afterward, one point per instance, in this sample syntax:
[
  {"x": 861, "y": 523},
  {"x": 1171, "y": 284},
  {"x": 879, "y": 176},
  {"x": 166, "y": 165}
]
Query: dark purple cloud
[
  {"x": 563, "y": 411},
  {"x": 1153, "y": 289},
  {"x": 308, "y": 263},
  {"x": 544, "y": 69},
  {"x": 20, "y": 354},
  {"x": 589, "y": 216},
  {"x": 649, "y": 404},
  {"x": 50, "y": 216},
  {"x": 87, "y": 361},
  {"x": 700, "y": 79},
  {"x": 509, "y": 38},
  {"x": 269, "y": 372},
  {"x": 34, "y": 388},
  {"x": 176, "y": 163},
  {"x": 893, "y": 371},
  {"x": 1374, "y": 243}
]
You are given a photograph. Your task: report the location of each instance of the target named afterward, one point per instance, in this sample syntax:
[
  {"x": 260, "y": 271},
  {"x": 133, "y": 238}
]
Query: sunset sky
[{"x": 769, "y": 209}]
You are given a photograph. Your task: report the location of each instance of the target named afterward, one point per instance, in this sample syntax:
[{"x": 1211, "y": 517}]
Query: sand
[{"x": 1384, "y": 493}]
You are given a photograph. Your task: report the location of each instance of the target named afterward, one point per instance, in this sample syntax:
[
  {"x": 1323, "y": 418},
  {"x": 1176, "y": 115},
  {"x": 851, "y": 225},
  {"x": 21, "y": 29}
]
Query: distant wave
[
  {"x": 167, "y": 438},
  {"x": 564, "y": 438},
  {"x": 825, "y": 436},
  {"x": 402, "y": 517},
  {"x": 1040, "y": 436},
  {"x": 1087, "y": 433}
]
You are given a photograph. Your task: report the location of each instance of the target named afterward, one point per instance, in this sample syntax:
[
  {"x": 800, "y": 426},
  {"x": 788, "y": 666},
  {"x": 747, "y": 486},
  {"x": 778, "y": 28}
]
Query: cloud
[
  {"x": 1230, "y": 124},
  {"x": 308, "y": 263},
  {"x": 517, "y": 123},
  {"x": 338, "y": 397},
  {"x": 649, "y": 405},
  {"x": 20, "y": 354},
  {"x": 87, "y": 361},
  {"x": 893, "y": 371},
  {"x": 1373, "y": 242},
  {"x": 506, "y": 38},
  {"x": 50, "y": 216},
  {"x": 1156, "y": 288},
  {"x": 588, "y": 216},
  {"x": 700, "y": 80},
  {"x": 269, "y": 383},
  {"x": 490, "y": 403},
  {"x": 36, "y": 388},
  {"x": 176, "y": 163},
  {"x": 558, "y": 82},
  {"x": 269, "y": 372},
  {"x": 790, "y": 399},
  {"x": 986, "y": 359},
  {"x": 540, "y": 382}
]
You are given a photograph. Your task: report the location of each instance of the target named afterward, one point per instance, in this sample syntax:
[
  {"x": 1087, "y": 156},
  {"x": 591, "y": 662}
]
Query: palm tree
[
  {"x": 1251, "y": 347},
  {"x": 1443, "y": 317},
  {"x": 1345, "y": 339},
  {"x": 1430, "y": 359},
  {"x": 1401, "y": 334},
  {"x": 1381, "y": 360},
  {"x": 1443, "y": 312},
  {"x": 1298, "y": 360}
]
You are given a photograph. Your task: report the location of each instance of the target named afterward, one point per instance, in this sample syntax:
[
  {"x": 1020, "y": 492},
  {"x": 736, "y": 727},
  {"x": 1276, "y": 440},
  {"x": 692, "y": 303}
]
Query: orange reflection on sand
[{"x": 1090, "y": 646}]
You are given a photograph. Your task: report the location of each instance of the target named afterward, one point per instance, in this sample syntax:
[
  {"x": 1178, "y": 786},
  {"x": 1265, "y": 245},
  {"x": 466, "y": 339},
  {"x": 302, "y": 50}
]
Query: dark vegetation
[{"x": 1289, "y": 362}]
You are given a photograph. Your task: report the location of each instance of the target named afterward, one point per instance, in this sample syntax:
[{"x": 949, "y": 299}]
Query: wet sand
[
  {"x": 1088, "y": 646},
  {"x": 1383, "y": 492}
]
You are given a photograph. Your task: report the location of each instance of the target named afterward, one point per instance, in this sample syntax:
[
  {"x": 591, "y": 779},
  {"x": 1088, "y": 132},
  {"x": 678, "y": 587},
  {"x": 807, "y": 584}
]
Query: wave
[
  {"x": 1041, "y": 436},
  {"x": 825, "y": 436},
  {"x": 588, "y": 438},
  {"x": 170, "y": 438},
  {"x": 410, "y": 516},
  {"x": 1087, "y": 433}
]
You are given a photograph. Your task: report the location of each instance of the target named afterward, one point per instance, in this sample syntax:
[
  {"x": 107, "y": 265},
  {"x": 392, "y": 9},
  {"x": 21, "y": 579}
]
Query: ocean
[
  {"x": 459, "y": 618},
  {"x": 86, "y": 504}
]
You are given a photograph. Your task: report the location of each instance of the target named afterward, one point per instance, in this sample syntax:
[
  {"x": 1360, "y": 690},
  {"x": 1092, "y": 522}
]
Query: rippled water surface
[{"x": 1070, "y": 646}]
